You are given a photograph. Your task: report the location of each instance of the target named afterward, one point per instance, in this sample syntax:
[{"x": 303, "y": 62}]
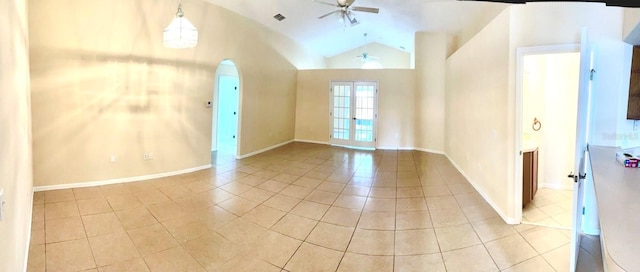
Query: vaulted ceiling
[{"x": 393, "y": 26}]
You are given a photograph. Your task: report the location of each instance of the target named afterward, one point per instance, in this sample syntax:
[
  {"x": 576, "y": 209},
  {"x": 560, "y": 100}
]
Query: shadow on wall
[{"x": 98, "y": 105}]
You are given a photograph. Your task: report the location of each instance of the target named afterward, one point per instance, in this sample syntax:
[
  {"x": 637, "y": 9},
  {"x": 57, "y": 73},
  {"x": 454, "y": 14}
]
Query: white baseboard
[
  {"x": 311, "y": 142},
  {"x": 507, "y": 219},
  {"x": 430, "y": 151},
  {"x": 119, "y": 180},
  {"x": 262, "y": 150}
]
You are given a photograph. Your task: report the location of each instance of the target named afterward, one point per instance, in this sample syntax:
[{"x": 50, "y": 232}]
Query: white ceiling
[{"x": 394, "y": 26}]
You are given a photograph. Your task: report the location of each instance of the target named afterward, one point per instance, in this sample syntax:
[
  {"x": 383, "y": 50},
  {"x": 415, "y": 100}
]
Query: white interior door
[
  {"x": 353, "y": 113},
  {"x": 227, "y": 126},
  {"x": 581, "y": 150}
]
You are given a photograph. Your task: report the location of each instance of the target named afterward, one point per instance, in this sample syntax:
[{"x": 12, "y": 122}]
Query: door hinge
[
  {"x": 583, "y": 209},
  {"x": 591, "y": 74}
]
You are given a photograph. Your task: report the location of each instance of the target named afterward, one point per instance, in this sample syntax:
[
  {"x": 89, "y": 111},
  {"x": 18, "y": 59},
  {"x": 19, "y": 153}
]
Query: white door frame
[
  {"x": 352, "y": 142},
  {"x": 215, "y": 105},
  {"x": 520, "y": 54}
]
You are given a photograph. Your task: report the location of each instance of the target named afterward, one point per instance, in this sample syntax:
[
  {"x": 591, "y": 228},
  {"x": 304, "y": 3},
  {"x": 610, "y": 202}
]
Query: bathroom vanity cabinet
[{"x": 529, "y": 175}]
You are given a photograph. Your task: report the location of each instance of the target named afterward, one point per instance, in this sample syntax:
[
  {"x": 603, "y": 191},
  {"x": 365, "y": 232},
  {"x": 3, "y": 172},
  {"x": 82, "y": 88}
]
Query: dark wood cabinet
[
  {"x": 633, "y": 107},
  {"x": 529, "y": 176}
]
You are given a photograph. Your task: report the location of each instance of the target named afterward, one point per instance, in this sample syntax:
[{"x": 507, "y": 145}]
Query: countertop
[{"x": 618, "y": 195}]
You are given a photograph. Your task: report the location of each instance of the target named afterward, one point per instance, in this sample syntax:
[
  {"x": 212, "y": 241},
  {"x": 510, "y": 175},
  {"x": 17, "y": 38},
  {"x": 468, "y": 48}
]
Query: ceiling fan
[
  {"x": 365, "y": 57},
  {"x": 346, "y": 11}
]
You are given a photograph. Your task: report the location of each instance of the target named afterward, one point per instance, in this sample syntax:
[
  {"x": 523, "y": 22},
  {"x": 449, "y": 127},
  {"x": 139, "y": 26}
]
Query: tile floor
[
  {"x": 301, "y": 207},
  {"x": 550, "y": 207}
]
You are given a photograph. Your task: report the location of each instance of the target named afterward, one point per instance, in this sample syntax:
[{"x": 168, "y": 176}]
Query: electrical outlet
[
  {"x": 150, "y": 156},
  {"x": 112, "y": 158},
  {"x": 145, "y": 156}
]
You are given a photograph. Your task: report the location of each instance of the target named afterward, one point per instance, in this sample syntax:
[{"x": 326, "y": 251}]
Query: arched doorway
[{"x": 225, "y": 113}]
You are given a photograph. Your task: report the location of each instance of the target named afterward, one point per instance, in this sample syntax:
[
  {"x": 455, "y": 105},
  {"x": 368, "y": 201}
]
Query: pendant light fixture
[{"x": 180, "y": 33}]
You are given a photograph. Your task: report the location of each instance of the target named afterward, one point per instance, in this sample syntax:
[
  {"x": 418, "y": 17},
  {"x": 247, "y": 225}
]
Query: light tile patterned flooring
[
  {"x": 550, "y": 207},
  {"x": 301, "y": 207}
]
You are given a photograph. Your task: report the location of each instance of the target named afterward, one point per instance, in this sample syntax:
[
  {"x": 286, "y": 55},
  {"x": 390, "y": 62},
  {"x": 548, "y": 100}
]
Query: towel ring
[{"x": 536, "y": 124}]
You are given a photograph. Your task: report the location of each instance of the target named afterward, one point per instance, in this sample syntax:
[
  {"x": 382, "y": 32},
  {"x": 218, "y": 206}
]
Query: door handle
[{"x": 576, "y": 177}]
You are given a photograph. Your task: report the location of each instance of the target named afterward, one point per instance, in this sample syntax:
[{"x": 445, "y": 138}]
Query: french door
[{"x": 353, "y": 113}]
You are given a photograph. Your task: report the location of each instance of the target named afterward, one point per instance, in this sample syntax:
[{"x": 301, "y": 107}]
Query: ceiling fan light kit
[
  {"x": 180, "y": 33},
  {"x": 345, "y": 11}
]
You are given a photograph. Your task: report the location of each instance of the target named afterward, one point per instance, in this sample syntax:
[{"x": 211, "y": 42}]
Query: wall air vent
[{"x": 279, "y": 17}]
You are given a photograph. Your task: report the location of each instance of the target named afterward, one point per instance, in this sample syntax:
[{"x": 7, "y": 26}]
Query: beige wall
[
  {"x": 389, "y": 57},
  {"x": 430, "y": 59},
  {"x": 104, "y": 85},
  {"x": 480, "y": 99},
  {"x": 476, "y": 111},
  {"x": 396, "y": 109},
  {"x": 631, "y": 27},
  {"x": 15, "y": 137}
]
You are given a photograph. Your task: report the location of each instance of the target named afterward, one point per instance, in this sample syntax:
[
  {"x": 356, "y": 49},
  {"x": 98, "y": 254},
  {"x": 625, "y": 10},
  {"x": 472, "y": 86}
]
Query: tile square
[
  {"x": 410, "y": 192},
  {"x": 341, "y": 216},
  {"x": 135, "y": 218},
  {"x": 65, "y": 229},
  {"x": 257, "y": 195},
  {"x": 295, "y": 226},
  {"x": 372, "y": 242},
  {"x": 413, "y": 220},
  {"x": 447, "y": 217},
  {"x": 211, "y": 251},
  {"x": 242, "y": 232},
  {"x": 333, "y": 187},
  {"x": 296, "y": 191},
  {"x": 87, "y": 193},
  {"x": 274, "y": 248},
  {"x": 135, "y": 265},
  {"x": 442, "y": 202},
  {"x": 152, "y": 239},
  {"x": 314, "y": 258},
  {"x": 102, "y": 223},
  {"x": 377, "y": 220},
  {"x": 73, "y": 255},
  {"x": 510, "y": 250},
  {"x": 537, "y": 264},
  {"x": 350, "y": 202},
  {"x": 152, "y": 196},
  {"x": 174, "y": 259},
  {"x": 37, "y": 258},
  {"x": 113, "y": 248},
  {"x": 93, "y": 206},
  {"x": 58, "y": 196},
  {"x": 282, "y": 202},
  {"x": 121, "y": 202},
  {"x": 414, "y": 242},
  {"x": 424, "y": 262},
  {"x": 322, "y": 197},
  {"x": 61, "y": 209},
  {"x": 166, "y": 211},
  {"x": 310, "y": 209},
  {"x": 358, "y": 262},
  {"x": 456, "y": 237},
  {"x": 264, "y": 216},
  {"x": 545, "y": 239},
  {"x": 330, "y": 236},
  {"x": 475, "y": 258},
  {"x": 491, "y": 229},
  {"x": 238, "y": 205},
  {"x": 380, "y": 204},
  {"x": 411, "y": 204}
]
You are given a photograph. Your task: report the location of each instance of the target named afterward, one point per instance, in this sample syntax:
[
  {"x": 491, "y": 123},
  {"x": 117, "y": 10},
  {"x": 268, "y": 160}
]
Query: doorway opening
[
  {"x": 547, "y": 87},
  {"x": 225, "y": 113},
  {"x": 353, "y": 113}
]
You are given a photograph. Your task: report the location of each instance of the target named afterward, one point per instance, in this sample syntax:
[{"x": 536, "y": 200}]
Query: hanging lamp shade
[{"x": 180, "y": 33}]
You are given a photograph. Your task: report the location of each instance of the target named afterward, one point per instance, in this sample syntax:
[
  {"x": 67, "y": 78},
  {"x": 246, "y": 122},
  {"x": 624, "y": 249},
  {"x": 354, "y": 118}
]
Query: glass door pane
[{"x": 364, "y": 112}]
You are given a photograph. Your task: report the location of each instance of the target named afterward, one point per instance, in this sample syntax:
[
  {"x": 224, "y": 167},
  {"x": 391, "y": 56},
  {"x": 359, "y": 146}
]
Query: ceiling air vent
[{"x": 279, "y": 17}]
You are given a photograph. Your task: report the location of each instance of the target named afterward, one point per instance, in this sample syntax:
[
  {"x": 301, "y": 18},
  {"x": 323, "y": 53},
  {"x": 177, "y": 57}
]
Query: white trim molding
[
  {"x": 239, "y": 157},
  {"x": 118, "y": 180},
  {"x": 311, "y": 142},
  {"x": 507, "y": 219}
]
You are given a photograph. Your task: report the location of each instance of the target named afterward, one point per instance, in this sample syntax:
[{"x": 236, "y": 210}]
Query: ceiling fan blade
[
  {"x": 330, "y": 13},
  {"x": 325, "y": 3},
  {"x": 366, "y": 9}
]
